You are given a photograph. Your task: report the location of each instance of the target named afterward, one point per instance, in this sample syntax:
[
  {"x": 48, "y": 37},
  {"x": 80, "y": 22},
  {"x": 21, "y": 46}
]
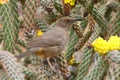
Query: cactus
[{"x": 20, "y": 20}]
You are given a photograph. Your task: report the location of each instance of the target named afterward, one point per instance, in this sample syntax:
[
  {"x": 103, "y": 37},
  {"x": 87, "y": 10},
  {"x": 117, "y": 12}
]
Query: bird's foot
[{"x": 51, "y": 66}]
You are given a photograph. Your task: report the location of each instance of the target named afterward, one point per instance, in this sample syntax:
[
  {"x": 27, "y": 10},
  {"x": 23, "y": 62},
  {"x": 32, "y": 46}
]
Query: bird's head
[{"x": 66, "y": 22}]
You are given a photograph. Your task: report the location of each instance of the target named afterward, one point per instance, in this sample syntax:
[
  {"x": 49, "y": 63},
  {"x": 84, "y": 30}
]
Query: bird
[{"x": 53, "y": 41}]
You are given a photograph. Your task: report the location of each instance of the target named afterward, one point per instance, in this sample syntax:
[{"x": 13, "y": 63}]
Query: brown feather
[{"x": 52, "y": 42}]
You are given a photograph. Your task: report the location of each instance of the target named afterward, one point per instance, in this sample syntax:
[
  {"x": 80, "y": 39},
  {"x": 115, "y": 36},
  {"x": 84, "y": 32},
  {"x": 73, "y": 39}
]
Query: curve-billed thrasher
[{"x": 52, "y": 42}]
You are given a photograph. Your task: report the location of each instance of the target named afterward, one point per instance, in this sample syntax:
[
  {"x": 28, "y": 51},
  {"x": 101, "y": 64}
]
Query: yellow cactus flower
[
  {"x": 71, "y": 2},
  {"x": 100, "y": 45},
  {"x": 39, "y": 33},
  {"x": 3, "y": 1},
  {"x": 114, "y": 42},
  {"x": 72, "y": 60}
]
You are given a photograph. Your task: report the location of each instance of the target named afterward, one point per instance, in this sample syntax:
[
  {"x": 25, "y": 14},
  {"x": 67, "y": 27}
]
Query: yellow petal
[
  {"x": 40, "y": 33},
  {"x": 67, "y": 1},
  {"x": 72, "y": 3}
]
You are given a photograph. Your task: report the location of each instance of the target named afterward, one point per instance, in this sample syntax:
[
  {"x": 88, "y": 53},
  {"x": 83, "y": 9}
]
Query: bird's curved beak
[{"x": 79, "y": 19}]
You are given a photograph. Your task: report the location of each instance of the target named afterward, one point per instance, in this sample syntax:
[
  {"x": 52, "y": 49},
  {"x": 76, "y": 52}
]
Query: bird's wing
[{"x": 50, "y": 38}]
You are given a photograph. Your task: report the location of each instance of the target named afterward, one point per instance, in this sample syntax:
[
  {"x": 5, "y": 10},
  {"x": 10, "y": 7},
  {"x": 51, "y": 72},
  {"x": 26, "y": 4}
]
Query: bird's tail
[{"x": 24, "y": 54}]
